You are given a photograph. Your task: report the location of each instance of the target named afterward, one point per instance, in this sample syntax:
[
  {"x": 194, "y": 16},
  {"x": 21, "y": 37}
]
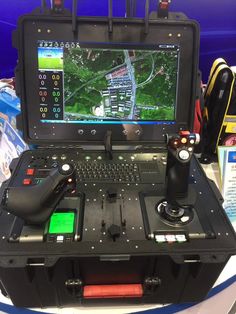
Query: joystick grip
[
  {"x": 36, "y": 203},
  {"x": 180, "y": 150},
  {"x": 177, "y": 181}
]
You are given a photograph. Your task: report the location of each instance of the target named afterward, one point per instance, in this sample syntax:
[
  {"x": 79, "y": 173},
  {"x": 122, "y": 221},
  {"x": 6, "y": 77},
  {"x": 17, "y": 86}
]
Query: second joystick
[{"x": 35, "y": 203}]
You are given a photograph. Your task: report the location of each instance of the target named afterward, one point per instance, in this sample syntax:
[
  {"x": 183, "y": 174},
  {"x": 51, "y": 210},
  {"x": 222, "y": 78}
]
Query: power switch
[{"x": 184, "y": 133}]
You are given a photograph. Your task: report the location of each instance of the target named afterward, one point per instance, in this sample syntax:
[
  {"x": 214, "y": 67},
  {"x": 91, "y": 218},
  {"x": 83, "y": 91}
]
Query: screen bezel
[{"x": 129, "y": 32}]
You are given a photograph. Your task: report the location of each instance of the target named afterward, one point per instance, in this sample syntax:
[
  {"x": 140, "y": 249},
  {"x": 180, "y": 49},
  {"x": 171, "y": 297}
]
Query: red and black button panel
[
  {"x": 34, "y": 176},
  {"x": 184, "y": 138},
  {"x": 183, "y": 144}
]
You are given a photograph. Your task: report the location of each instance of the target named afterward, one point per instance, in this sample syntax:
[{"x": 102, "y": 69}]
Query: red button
[
  {"x": 164, "y": 5},
  {"x": 27, "y": 181},
  {"x": 30, "y": 172},
  {"x": 184, "y": 133},
  {"x": 58, "y": 2}
]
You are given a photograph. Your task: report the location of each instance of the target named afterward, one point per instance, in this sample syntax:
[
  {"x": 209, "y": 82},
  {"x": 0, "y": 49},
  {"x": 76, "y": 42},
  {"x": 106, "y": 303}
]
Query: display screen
[
  {"x": 109, "y": 86},
  {"x": 61, "y": 222}
]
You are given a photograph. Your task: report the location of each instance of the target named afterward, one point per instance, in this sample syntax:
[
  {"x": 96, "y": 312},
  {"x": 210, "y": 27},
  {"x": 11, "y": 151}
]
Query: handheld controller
[
  {"x": 36, "y": 203},
  {"x": 180, "y": 150}
]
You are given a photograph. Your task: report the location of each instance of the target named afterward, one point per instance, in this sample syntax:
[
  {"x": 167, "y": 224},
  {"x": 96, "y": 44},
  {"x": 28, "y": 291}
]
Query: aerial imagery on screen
[{"x": 115, "y": 84}]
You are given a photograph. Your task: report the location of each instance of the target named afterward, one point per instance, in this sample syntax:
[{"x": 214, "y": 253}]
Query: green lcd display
[{"x": 62, "y": 222}]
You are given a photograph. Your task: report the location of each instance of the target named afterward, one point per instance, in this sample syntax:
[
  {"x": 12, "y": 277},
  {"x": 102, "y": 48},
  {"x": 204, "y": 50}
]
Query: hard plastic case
[{"x": 135, "y": 268}]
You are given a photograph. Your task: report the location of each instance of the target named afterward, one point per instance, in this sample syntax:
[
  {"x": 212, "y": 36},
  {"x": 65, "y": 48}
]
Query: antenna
[
  {"x": 128, "y": 8},
  {"x": 146, "y": 19},
  {"x": 134, "y": 8},
  {"x": 74, "y": 16},
  {"x": 43, "y": 5},
  {"x": 131, "y": 6},
  {"x": 110, "y": 9},
  {"x": 163, "y": 9},
  {"x": 57, "y": 6}
]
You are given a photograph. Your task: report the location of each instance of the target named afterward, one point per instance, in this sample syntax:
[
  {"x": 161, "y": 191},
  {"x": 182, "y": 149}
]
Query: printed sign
[
  {"x": 11, "y": 146},
  {"x": 227, "y": 163}
]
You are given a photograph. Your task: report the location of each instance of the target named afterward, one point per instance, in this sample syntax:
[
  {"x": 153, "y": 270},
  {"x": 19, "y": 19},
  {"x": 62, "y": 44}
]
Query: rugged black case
[{"x": 48, "y": 274}]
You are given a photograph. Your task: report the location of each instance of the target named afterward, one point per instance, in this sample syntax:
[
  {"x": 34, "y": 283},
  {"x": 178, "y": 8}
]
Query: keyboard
[
  {"x": 118, "y": 172},
  {"x": 115, "y": 172}
]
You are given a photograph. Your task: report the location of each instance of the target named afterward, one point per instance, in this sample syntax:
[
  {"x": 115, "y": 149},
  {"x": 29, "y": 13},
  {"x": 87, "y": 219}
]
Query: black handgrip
[
  {"x": 177, "y": 181},
  {"x": 36, "y": 203},
  {"x": 180, "y": 150}
]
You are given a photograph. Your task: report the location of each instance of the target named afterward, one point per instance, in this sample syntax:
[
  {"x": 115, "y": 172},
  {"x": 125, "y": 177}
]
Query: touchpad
[{"x": 149, "y": 173}]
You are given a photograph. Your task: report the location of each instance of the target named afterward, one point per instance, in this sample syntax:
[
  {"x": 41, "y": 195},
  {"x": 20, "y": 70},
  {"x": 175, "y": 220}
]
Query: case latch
[
  {"x": 74, "y": 287},
  {"x": 151, "y": 284}
]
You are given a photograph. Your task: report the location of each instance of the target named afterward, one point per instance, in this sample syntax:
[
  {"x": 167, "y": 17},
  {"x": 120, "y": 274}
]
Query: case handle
[{"x": 113, "y": 291}]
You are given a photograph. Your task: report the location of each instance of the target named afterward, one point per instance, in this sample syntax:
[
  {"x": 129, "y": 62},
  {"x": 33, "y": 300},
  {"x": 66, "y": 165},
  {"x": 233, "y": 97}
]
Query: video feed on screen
[{"x": 113, "y": 84}]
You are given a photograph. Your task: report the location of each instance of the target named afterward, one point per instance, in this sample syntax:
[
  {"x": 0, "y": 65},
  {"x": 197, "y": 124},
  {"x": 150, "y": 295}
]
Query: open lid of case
[{"x": 79, "y": 77}]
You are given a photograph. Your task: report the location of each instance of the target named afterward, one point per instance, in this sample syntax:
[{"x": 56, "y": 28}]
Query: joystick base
[
  {"x": 174, "y": 215},
  {"x": 161, "y": 217}
]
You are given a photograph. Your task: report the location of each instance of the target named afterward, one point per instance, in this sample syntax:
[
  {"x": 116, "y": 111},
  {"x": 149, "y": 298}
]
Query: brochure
[
  {"x": 11, "y": 146},
  {"x": 227, "y": 164}
]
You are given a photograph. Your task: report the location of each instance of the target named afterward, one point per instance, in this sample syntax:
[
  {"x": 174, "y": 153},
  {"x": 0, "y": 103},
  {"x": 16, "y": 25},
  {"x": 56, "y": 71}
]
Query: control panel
[{"x": 86, "y": 196}]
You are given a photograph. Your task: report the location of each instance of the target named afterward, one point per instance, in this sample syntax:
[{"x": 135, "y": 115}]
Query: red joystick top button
[
  {"x": 184, "y": 133},
  {"x": 58, "y": 2}
]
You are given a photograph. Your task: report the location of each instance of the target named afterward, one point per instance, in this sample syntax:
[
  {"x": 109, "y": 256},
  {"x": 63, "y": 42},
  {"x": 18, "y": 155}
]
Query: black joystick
[
  {"x": 180, "y": 150},
  {"x": 36, "y": 203}
]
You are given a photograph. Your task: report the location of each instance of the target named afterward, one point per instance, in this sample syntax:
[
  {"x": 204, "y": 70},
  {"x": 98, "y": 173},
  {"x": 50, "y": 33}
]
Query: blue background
[{"x": 217, "y": 20}]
